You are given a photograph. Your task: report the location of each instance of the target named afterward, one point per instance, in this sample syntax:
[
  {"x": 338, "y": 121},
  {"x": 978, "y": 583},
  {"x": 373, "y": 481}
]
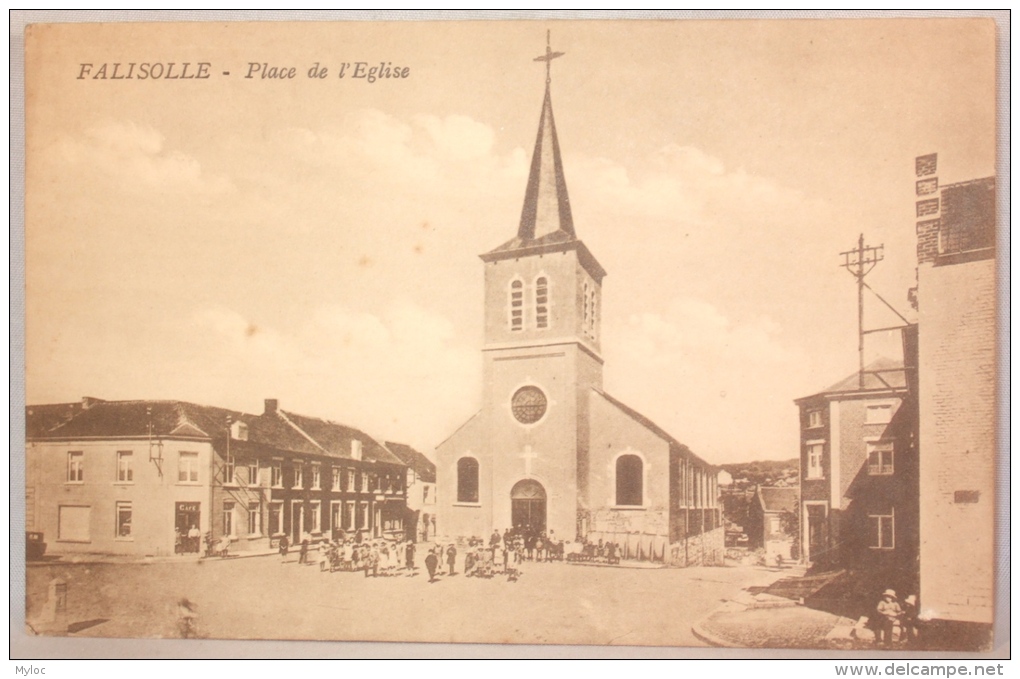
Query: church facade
[{"x": 550, "y": 450}]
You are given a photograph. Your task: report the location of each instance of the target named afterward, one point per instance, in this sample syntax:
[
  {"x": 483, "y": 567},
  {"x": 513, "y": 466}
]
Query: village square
[{"x": 558, "y": 512}]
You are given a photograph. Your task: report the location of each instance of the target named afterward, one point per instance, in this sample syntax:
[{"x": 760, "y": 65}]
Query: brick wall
[{"x": 957, "y": 439}]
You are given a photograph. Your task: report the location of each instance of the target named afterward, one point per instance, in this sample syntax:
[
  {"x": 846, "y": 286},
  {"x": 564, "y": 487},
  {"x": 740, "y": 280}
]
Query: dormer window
[
  {"x": 542, "y": 302},
  {"x": 517, "y": 305},
  {"x": 355, "y": 449},
  {"x": 239, "y": 431}
]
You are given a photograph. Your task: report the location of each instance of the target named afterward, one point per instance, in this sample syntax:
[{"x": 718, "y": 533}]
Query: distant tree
[{"x": 790, "y": 524}]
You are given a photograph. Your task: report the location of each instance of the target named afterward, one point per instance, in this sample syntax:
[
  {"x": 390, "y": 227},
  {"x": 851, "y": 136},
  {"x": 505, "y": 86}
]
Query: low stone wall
[{"x": 706, "y": 549}]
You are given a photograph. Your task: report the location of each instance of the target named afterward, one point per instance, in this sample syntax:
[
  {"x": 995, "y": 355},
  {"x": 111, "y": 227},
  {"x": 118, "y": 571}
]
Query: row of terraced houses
[{"x": 165, "y": 477}]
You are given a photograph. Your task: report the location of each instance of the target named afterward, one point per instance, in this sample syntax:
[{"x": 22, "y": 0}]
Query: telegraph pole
[{"x": 859, "y": 262}]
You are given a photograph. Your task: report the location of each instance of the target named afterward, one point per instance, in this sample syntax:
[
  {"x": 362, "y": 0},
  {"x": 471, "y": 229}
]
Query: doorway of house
[{"x": 187, "y": 515}]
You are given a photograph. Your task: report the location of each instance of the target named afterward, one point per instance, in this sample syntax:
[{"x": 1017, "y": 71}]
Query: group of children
[{"x": 896, "y": 620}]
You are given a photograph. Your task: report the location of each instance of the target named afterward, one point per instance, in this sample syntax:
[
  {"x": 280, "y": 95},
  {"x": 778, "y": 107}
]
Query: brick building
[
  {"x": 957, "y": 345},
  {"x": 858, "y": 490},
  {"x": 135, "y": 477}
]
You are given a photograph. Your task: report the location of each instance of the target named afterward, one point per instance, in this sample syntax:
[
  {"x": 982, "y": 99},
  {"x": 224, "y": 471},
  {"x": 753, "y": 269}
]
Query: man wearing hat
[{"x": 889, "y": 613}]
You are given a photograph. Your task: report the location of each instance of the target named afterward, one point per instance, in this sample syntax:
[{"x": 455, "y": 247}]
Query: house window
[
  {"x": 593, "y": 315},
  {"x": 335, "y": 516},
  {"x": 187, "y": 468},
  {"x": 516, "y": 305},
  {"x": 467, "y": 479},
  {"x": 882, "y": 533},
  {"x": 629, "y": 481},
  {"x": 814, "y": 418},
  {"x": 123, "y": 519},
  {"x": 775, "y": 525},
  {"x": 880, "y": 458},
  {"x": 228, "y": 471},
  {"x": 362, "y": 521},
  {"x": 351, "y": 487},
  {"x": 542, "y": 302},
  {"x": 125, "y": 467},
  {"x": 364, "y": 482},
  {"x": 316, "y": 517},
  {"x": 879, "y": 413},
  {"x": 75, "y": 467},
  {"x": 253, "y": 473},
  {"x": 349, "y": 516},
  {"x": 277, "y": 474},
  {"x": 254, "y": 519},
  {"x": 275, "y": 518},
  {"x": 316, "y": 477},
  {"x": 425, "y": 494},
  {"x": 299, "y": 475},
  {"x": 337, "y": 475},
  {"x": 814, "y": 465},
  {"x": 228, "y": 519},
  {"x": 387, "y": 484}
]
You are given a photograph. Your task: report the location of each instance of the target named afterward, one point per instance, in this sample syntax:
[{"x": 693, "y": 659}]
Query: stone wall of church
[{"x": 706, "y": 549}]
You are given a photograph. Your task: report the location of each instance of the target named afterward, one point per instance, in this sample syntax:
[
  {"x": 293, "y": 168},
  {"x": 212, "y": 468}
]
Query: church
[{"x": 550, "y": 450}]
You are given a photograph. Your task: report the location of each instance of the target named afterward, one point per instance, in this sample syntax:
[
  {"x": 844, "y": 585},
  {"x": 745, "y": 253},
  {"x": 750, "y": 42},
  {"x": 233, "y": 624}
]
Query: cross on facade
[
  {"x": 528, "y": 455},
  {"x": 548, "y": 57}
]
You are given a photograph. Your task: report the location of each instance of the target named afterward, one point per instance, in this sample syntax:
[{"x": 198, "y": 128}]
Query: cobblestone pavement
[{"x": 264, "y": 598}]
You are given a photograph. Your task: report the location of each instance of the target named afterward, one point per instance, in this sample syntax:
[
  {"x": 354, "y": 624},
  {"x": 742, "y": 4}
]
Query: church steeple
[
  {"x": 547, "y": 225},
  {"x": 546, "y": 204}
]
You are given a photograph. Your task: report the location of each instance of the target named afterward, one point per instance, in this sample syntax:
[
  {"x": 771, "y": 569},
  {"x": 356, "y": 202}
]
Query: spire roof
[{"x": 546, "y": 203}]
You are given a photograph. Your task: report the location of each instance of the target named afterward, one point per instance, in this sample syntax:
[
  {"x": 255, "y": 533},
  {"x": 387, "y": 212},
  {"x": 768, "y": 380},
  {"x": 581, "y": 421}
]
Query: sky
[{"x": 228, "y": 240}]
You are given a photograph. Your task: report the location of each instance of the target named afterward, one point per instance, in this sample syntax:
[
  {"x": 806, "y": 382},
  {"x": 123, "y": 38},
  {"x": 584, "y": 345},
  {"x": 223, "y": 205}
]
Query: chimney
[{"x": 271, "y": 406}]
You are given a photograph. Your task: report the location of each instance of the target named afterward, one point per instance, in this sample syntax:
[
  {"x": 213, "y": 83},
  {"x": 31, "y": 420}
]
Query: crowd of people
[{"x": 502, "y": 554}]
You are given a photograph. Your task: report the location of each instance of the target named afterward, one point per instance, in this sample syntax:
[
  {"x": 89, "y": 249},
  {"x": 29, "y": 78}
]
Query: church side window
[
  {"x": 517, "y": 305},
  {"x": 589, "y": 310},
  {"x": 629, "y": 481},
  {"x": 584, "y": 307},
  {"x": 542, "y": 302},
  {"x": 467, "y": 479}
]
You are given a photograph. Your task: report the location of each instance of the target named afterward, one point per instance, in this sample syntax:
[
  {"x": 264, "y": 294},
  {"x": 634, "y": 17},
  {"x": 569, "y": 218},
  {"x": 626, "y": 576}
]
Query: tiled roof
[
  {"x": 42, "y": 418},
  {"x": 335, "y": 439},
  {"x": 872, "y": 382},
  {"x": 284, "y": 431},
  {"x": 422, "y": 466},
  {"x": 656, "y": 429},
  {"x": 778, "y": 499}
]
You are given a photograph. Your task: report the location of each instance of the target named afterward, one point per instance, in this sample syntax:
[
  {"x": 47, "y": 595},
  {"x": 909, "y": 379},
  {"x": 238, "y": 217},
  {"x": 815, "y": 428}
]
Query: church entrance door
[{"x": 528, "y": 505}]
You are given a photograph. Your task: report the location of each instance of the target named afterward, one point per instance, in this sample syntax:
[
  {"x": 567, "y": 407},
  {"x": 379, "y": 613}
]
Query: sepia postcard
[{"x": 674, "y": 334}]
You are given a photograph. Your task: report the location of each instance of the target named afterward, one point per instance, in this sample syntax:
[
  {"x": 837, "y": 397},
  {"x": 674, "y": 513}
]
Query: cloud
[
  {"x": 399, "y": 374},
  {"x": 712, "y": 380},
  {"x": 136, "y": 157}
]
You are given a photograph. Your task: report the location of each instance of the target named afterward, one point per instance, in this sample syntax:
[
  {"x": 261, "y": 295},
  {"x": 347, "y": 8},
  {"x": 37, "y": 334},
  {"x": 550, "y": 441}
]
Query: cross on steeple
[{"x": 548, "y": 57}]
